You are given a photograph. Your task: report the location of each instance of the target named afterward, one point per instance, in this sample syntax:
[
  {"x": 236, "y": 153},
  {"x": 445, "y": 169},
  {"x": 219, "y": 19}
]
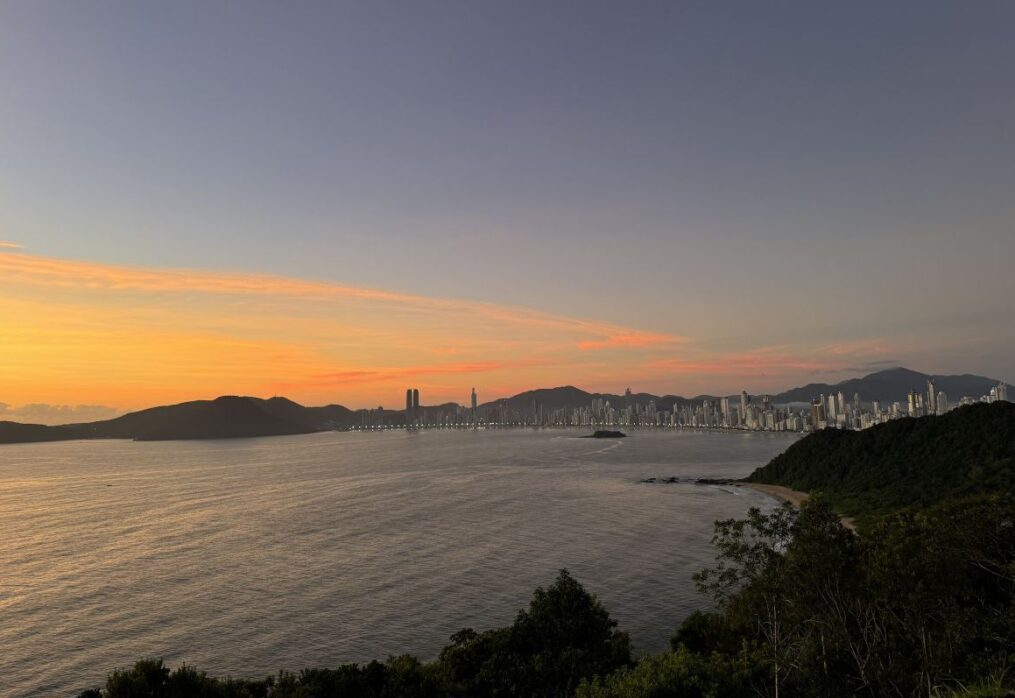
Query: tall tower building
[
  {"x": 931, "y": 398},
  {"x": 1002, "y": 391},
  {"x": 724, "y": 409},
  {"x": 415, "y": 404},
  {"x": 408, "y": 406},
  {"x": 743, "y": 404},
  {"x": 474, "y": 406},
  {"x": 818, "y": 412}
]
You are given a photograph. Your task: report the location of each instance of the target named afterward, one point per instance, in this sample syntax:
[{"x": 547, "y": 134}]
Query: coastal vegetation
[
  {"x": 905, "y": 463},
  {"x": 919, "y": 602}
]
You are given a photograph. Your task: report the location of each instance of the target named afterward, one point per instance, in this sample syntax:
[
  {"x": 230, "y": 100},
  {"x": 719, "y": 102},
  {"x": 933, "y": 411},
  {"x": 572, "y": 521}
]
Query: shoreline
[{"x": 794, "y": 497}]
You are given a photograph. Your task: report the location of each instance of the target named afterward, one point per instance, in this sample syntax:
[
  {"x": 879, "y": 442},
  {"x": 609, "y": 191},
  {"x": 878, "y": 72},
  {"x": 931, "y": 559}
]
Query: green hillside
[{"x": 903, "y": 463}]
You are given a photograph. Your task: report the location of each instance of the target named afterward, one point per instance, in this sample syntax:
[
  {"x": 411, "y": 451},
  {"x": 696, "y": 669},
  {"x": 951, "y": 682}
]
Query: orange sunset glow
[{"x": 78, "y": 332}]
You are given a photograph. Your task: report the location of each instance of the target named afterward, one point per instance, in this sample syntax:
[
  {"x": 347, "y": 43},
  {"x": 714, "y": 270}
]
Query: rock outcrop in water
[{"x": 604, "y": 434}]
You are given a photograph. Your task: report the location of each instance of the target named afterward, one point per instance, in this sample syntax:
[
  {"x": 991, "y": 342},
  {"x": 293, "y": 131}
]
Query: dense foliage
[
  {"x": 903, "y": 463},
  {"x": 924, "y": 605}
]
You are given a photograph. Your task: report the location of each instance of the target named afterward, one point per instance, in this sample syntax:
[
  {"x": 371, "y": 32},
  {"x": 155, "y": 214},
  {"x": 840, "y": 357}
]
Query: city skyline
[
  {"x": 753, "y": 413},
  {"x": 694, "y": 409},
  {"x": 353, "y": 198}
]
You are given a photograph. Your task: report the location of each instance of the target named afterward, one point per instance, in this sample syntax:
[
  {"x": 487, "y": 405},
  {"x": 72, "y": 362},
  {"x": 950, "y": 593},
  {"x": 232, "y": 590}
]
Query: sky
[{"x": 333, "y": 201}]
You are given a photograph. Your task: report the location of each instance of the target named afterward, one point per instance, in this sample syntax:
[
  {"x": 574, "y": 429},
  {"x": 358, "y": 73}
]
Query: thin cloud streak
[
  {"x": 630, "y": 339},
  {"x": 32, "y": 269}
]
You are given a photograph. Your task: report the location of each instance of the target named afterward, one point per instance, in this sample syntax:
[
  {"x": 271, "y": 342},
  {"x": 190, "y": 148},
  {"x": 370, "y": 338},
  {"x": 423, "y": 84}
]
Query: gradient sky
[{"x": 334, "y": 200}]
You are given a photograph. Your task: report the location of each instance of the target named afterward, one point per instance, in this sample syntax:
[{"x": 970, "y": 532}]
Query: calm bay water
[{"x": 246, "y": 556}]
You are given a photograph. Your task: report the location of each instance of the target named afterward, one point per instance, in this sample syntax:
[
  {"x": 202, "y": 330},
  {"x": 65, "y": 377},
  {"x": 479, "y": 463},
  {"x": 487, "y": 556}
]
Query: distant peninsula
[{"x": 222, "y": 418}]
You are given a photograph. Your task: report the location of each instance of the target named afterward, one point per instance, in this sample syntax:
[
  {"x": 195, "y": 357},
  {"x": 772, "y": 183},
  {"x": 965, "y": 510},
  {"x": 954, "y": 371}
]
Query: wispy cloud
[
  {"x": 629, "y": 340},
  {"x": 858, "y": 348},
  {"x": 742, "y": 364},
  {"x": 41, "y": 413},
  {"x": 416, "y": 373},
  {"x": 37, "y": 270},
  {"x": 7, "y": 245}
]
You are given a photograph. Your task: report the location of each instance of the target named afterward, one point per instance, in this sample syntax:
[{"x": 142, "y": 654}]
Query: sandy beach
[{"x": 794, "y": 497}]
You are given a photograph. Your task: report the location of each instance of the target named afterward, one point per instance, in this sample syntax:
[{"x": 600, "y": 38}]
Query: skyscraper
[
  {"x": 724, "y": 409},
  {"x": 415, "y": 405},
  {"x": 931, "y": 398},
  {"x": 408, "y": 406},
  {"x": 474, "y": 406},
  {"x": 818, "y": 412}
]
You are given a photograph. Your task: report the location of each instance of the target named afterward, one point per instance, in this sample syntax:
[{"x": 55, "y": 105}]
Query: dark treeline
[{"x": 920, "y": 603}]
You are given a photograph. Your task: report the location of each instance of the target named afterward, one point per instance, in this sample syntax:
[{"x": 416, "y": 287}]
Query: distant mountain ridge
[
  {"x": 889, "y": 385},
  {"x": 892, "y": 385},
  {"x": 570, "y": 397},
  {"x": 237, "y": 417}
]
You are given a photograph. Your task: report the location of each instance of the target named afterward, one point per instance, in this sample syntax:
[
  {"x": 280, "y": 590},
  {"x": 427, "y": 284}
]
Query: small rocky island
[{"x": 603, "y": 434}]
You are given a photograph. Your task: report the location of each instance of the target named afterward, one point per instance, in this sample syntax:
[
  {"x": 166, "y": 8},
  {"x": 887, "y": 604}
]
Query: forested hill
[
  {"x": 905, "y": 462},
  {"x": 221, "y": 418}
]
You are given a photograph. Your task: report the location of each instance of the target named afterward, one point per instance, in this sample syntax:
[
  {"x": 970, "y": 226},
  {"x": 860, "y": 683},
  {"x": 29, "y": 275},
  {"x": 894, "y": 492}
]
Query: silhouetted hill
[
  {"x": 891, "y": 385},
  {"x": 222, "y": 418},
  {"x": 549, "y": 398},
  {"x": 570, "y": 397},
  {"x": 313, "y": 418},
  {"x": 905, "y": 462}
]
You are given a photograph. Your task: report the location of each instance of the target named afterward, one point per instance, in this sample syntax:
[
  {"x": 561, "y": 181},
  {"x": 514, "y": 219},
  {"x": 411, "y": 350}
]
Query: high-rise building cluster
[
  {"x": 744, "y": 412},
  {"x": 752, "y": 413},
  {"x": 415, "y": 416}
]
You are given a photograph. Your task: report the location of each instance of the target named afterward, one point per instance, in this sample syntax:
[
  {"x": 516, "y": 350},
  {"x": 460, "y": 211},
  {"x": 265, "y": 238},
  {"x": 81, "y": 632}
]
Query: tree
[{"x": 563, "y": 637}]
